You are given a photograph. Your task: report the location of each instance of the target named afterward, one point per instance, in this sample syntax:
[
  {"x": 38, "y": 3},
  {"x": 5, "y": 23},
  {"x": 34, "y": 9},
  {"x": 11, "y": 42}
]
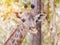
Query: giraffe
[
  {"x": 20, "y": 32},
  {"x": 27, "y": 23}
]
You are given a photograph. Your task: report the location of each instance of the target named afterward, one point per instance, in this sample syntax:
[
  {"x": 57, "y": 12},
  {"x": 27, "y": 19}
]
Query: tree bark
[
  {"x": 54, "y": 24},
  {"x": 48, "y": 21},
  {"x": 39, "y": 8},
  {"x": 54, "y": 30}
]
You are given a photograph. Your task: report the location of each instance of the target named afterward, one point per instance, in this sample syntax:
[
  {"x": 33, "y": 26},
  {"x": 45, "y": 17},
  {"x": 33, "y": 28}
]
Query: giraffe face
[{"x": 29, "y": 21}]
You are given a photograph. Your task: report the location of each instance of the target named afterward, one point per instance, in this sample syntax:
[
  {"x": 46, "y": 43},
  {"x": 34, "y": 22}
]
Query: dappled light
[{"x": 29, "y": 22}]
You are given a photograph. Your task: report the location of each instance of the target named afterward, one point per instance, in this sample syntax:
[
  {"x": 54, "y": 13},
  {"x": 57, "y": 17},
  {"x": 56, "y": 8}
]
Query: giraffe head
[{"x": 29, "y": 19}]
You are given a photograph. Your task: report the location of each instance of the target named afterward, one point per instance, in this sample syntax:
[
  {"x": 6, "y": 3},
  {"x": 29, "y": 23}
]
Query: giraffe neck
[{"x": 17, "y": 36}]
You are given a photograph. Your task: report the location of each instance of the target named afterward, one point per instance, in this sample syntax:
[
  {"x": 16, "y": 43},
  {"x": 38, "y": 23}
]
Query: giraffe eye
[
  {"x": 38, "y": 17},
  {"x": 32, "y": 6},
  {"x": 36, "y": 21},
  {"x": 23, "y": 20}
]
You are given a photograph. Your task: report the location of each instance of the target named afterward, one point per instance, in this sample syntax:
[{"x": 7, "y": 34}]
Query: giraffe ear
[{"x": 42, "y": 17}]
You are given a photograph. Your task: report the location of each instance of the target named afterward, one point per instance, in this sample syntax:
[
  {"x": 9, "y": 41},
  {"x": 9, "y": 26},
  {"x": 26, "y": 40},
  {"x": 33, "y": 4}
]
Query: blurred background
[{"x": 9, "y": 20}]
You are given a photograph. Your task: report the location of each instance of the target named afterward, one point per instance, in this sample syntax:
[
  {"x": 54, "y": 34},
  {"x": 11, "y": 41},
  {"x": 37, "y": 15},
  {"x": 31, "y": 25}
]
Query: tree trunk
[
  {"x": 39, "y": 8},
  {"x": 48, "y": 21},
  {"x": 54, "y": 24},
  {"x": 54, "y": 30}
]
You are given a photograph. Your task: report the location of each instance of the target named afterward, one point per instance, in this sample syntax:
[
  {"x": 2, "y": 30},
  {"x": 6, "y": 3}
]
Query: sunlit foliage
[{"x": 9, "y": 21}]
